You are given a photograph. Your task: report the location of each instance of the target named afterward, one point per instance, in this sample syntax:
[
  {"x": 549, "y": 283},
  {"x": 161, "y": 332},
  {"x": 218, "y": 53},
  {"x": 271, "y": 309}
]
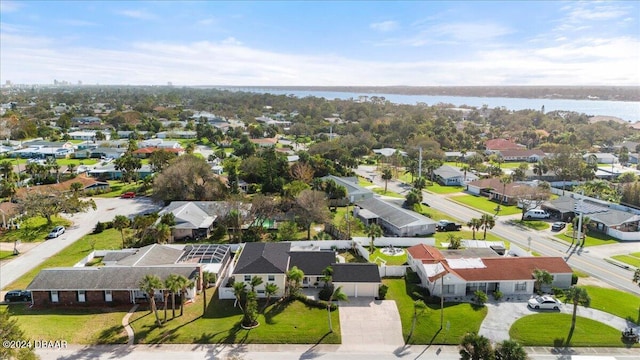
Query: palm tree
[
  {"x": 386, "y": 176},
  {"x": 510, "y": 350},
  {"x": 149, "y": 284},
  {"x": 173, "y": 285},
  {"x": 586, "y": 221},
  {"x": 636, "y": 277},
  {"x": 121, "y": 222},
  {"x": 373, "y": 231},
  {"x": 165, "y": 297},
  {"x": 294, "y": 277},
  {"x": 71, "y": 168},
  {"x": 239, "y": 290},
  {"x": 184, "y": 285},
  {"x": 465, "y": 168},
  {"x": 163, "y": 233},
  {"x": 475, "y": 225},
  {"x": 255, "y": 282},
  {"x": 543, "y": 277},
  {"x": 475, "y": 347},
  {"x": 540, "y": 168},
  {"x": 577, "y": 296},
  {"x": 190, "y": 148},
  {"x": 75, "y": 188},
  {"x": 336, "y": 295},
  {"x": 504, "y": 180},
  {"x": 6, "y": 169},
  {"x": 207, "y": 278},
  {"x": 270, "y": 289},
  {"x": 488, "y": 222},
  {"x": 419, "y": 307}
]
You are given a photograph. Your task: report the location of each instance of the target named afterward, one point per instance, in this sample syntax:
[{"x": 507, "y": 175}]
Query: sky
[{"x": 324, "y": 43}]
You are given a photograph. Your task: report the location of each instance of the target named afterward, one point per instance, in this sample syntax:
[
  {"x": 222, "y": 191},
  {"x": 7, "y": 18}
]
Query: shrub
[
  {"x": 557, "y": 291},
  {"x": 382, "y": 291},
  {"x": 325, "y": 293},
  {"x": 314, "y": 303},
  {"x": 100, "y": 226},
  {"x": 481, "y": 297},
  {"x": 497, "y": 295},
  {"x": 574, "y": 279}
]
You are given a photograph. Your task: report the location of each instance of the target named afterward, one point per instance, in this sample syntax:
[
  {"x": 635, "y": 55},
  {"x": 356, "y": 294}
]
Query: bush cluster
[
  {"x": 102, "y": 226},
  {"x": 314, "y": 303}
]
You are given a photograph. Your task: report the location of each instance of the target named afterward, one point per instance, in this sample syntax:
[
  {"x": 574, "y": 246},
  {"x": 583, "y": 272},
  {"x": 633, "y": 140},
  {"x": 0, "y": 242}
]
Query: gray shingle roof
[
  {"x": 393, "y": 214},
  {"x": 152, "y": 255},
  {"x": 102, "y": 278},
  {"x": 596, "y": 212},
  {"x": 263, "y": 258},
  {"x": 311, "y": 262},
  {"x": 350, "y": 184},
  {"x": 355, "y": 272}
]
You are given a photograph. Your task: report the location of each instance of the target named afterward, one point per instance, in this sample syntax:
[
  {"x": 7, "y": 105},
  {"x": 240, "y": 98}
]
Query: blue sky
[{"x": 375, "y": 43}]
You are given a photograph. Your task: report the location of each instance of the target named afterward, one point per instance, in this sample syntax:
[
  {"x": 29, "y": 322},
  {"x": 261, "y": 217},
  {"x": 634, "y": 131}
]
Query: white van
[{"x": 536, "y": 214}]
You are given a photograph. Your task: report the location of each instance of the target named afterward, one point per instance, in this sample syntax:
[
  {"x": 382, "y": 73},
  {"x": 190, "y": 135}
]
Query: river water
[{"x": 625, "y": 110}]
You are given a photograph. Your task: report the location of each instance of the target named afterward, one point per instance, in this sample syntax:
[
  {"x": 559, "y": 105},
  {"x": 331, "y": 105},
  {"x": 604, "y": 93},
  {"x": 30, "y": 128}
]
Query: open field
[
  {"x": 483, "y": 204},
  {"x": 34, "y": 229},
  {"x": 594, "y": 238}
]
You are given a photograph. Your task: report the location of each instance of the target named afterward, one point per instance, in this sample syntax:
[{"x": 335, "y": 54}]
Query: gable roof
[
  {"x": 393, "y": 214},
  {"x": 425, "y": 253},
  {"x": 356, "y": 272},
  {"x": 63, "y": 186},
  {"x": 513, "y": 268},
  {"x": 263, "y": 258},
  {"x": 448, "y": 172},
  {"x": 190, "y": 216},
  {"x": 521, "y": 152},
  {"x": 152, "y": 255},
  {"x": 311, "y": 262},
  {"x": 350, "y": 184},
  {"x": 596, "y": 212},
  {"x": 102, "y": 278},
  {"x": 501, "y": 144},
  {"x": 494, "y": 183}
]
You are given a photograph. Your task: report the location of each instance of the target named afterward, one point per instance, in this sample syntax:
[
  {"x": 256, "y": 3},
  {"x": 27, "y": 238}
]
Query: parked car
[
  {"x": 17, "y": 295},
  {"x": 446, "y": 225},
  {"x": 557, "y": 226},
  {"x": 128, "y": 195},
  {"x": 544, "y": 302},
  {"x": 536, "y": 214},
  {"x": 57, "y": 231}
]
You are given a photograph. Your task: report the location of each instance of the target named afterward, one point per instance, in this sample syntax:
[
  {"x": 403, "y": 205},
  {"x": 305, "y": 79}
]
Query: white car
[
  {"x": 536, "y": 214},
  {"x": 57, "y": 231},
  {"x": 544, "y": 302}
]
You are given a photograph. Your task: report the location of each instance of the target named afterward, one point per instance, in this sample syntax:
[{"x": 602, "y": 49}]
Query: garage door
[{"x": 359, "y": 289}]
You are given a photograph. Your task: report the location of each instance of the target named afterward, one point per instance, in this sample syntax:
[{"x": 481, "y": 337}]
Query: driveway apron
[{"x": 366, "y": 323}]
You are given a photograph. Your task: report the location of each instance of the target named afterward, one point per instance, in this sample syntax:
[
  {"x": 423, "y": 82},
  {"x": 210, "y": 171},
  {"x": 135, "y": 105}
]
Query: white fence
[
  {"x": 225, "y": 293},
  {"x": 396, "y": 270},
  {"x": 85, "y": 259},
  {"x": 396, "y": 241},
  {"x": 323, "y": 244},
  {"x": 516, "y": 250},
  {"x": 362, "y": 250},
  {"x": 623, "y": 235}
]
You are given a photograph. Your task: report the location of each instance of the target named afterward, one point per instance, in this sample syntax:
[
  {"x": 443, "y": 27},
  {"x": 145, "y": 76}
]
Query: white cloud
[
  {"x": 137, "y": 14},
  {"x": 384, "y": 26},
  {"x": 7, "y": 6}
]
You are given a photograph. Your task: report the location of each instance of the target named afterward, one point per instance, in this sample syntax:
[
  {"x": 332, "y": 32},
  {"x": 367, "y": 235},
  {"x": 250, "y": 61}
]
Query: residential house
[
  {"x": 272, "y": 261},
  {"x": 103, "y": 153},
  {"x": 355, "y": 192},
  {"x": 619, "y": 223},
  {"x": 175, "y": 134},
  {"x": 533, "y": 155},
  {"x": 118, "y": 282},
  {"x": 495, "y": 145},
  {"x": 269, "y": 121},
  {"x": 462, "y": 276},
  {"x": 393, "y": 219},
  {"x": 145, "y": 152},
  {"x": 125, "y": 134},
  {"x": 87, "y": 135},
  {"x": 86, "y": 120},
  {"x": 495, "y": 190},
  {"x": 386, "y": 152},
  {"x": 109, "y": 172},
  {"x": 451, "y": 176},
  {"x": 8, "y": 212},
  {"x": 458, "y": 155},
  {"x": 88, "y": 184},
  {"x": 601, "y": 158},
  {"x": 159, "y": 143},
  {"x": 265, "y": 142},
  {"x": 41, "y": 149}
]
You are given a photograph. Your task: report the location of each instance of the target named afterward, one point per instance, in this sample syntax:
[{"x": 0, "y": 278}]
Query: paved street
[{"x": 83, "y": 223}]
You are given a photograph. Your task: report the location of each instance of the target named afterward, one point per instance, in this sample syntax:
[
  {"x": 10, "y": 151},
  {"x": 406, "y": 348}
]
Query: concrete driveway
[{"x": 368, "y": 324}]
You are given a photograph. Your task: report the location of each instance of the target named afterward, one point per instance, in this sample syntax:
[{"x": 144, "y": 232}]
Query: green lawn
[
  {"x": 391, "y": 260},
  {"x": 109, "y": 239},
  {"x": 118, "y": 188},
  {"x": 5, "y": 255},
  {"x": 511, "y": 165},
  {"x": 380, "y": 191},
  {"x": 34, "y": 229},
  {"x": 616, "y": 302},
  {"x": 594, "y": 238},
  {"x": 441, "y": 189},
  {"x": 364, "y": 182},
  {"x": 435, "y": 214},
  {"x": 62, "y": 162},
  {"x": 283, "y": 323},
  {"x": 76, "y": 326},
  {"x": 628, "y": 259},
  {"x": 462, "y": 317},
  {"x": 532, "y": 224},
  {"x": 636, "y": 254},
  {"x": 483, "y": 204},
  {"x": 468, "y": 235},
  {"x": 552, "y": 329},
  {"x": 351, "y": 257}
]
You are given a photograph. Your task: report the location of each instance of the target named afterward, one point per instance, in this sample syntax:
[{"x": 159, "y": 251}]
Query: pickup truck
[{"x": 446, "y": 225}]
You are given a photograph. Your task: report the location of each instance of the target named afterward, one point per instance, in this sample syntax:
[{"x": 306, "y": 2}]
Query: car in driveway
[
  {"x": 446, "y": 225},
  {"x": 544, "y": 302},
  {"x": 17, "y": 295},
  {"x": 128, "y": 195},
  {"x": 558, "y": 225},
  {"x": 57, "y": 231}
]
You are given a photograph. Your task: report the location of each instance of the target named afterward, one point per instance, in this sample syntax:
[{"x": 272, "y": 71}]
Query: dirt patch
[{"x": 590, "y": 280}]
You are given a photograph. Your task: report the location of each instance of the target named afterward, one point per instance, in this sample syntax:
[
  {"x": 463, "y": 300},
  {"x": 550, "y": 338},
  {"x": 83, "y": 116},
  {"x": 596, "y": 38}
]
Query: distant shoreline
[{"x": 602, "y": 93}]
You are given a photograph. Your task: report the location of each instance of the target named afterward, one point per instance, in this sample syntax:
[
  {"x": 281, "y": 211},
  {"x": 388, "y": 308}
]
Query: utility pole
[{"x": 420, "y": 162}]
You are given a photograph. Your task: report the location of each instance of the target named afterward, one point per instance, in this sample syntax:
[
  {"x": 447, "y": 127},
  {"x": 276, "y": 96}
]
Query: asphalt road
[
  {"x": 83, "y": 223},
  {"x": 585, "y": 260}
]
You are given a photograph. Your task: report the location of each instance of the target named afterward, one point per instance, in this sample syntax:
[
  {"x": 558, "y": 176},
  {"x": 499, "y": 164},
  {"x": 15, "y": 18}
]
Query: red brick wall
[{"x": 93, "y": 298}]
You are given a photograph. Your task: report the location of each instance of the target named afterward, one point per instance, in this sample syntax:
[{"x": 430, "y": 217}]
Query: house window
[
  {"x": 271, "y": 278},
  {"x": 247, "y": 278},
  {"x": 82, "y": 296},
  {"x": 260, "y": 292},
  {"x": 521, "y": 286},
  {"x": 108, "y": 296},
  {"x": 449, "y": 289},
  {"x": 54, "y": 296}
]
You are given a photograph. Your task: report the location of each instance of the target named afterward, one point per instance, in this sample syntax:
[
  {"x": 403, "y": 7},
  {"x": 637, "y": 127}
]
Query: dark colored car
[
  {"x": 446, "y": 225},
  {"x": 557, "y": 226},
  {"x": 17, "y": 295}
]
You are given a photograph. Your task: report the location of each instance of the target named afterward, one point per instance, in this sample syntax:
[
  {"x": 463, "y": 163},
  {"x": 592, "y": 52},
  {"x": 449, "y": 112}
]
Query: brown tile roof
[
  {"x": 149, "y": 150},
  {"x": 9, "y": 209},
  {"x": 514, "y": 268},
  {"x": 497, "y": 186},
  {"x": 266, "y": 141},
  {"x": 521, "y": 152},
  {"x": 428, "y": 254},
  {"x": 501, "y": 144},
  {"x": 63, "y": 186}
]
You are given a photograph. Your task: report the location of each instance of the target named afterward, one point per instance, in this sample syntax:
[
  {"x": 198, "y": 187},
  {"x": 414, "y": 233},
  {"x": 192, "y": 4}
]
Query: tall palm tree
[
  {"x": 173, "y": 285},
  {"x": 184, "y": 285},
  {"x": 540, "y": 168},
  {"x": 373, "y": 231},
  {"x": 6, "y": 169},
  {"x": 419, "y": 307},
  {"x": 239, "y": 290},
  {"x": 336, "y": 295},
  {"x": 163, "y": 233},
  {"x": 149, "y": 284},
  {"x": 255, "y": 282},
  {"x": 121, "y": 222},
  {"x": 488, "y": 222},
  {"x": 465, "y": 168},
  {"x": 475, "y": 347},
  {"x": 386, "y": 176},
  {"x": 504, "y": 180},
  {"x": 577, "y": 296},
  {"x": 294, "y": 278},
  {"x": 475, "y": 225},
  {"x": 207, "y": 279},
  {"x": 270, "y": 289},
  {"x": 542, "y": 277}
]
